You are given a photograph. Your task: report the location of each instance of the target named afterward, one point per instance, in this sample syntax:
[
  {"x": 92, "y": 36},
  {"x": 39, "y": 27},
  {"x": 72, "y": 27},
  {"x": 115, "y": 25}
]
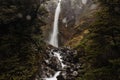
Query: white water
[
  {"x": 56, "y": 54},
  {"x": 60, "y": 59},
  {"x": 54, "y": 40},
  {"x": 54, "y": 77},
  {"x": 54, "y": 36},
  {"x": 84, "y": 1}
]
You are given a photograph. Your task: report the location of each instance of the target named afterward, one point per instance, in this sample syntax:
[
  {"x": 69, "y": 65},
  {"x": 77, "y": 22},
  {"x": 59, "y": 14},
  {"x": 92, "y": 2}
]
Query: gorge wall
[{"x": 70, "y": 16}]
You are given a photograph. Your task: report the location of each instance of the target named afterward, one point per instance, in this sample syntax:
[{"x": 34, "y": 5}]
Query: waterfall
[
  {"x": 54, "y": 40},
  {"x": 54, "y": 36}
]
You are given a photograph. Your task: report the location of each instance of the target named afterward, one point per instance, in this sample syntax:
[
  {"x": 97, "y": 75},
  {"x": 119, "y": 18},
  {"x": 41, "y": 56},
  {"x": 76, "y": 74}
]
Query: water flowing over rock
[
  {"x": 59, "y": 64},
  {"x": 71, "y": 14},
  {"x": 54, "y": 36}
]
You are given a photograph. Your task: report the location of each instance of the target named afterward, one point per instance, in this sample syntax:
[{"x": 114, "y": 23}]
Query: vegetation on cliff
[
  {"x": 21, "y": 43},
  {"x": 101, "y": 47}
]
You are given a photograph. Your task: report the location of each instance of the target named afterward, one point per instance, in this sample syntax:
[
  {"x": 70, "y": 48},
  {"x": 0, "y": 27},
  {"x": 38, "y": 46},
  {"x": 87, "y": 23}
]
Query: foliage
[
  {"x": 102, "y": 45},
  {"x": 21, "y": 41}
]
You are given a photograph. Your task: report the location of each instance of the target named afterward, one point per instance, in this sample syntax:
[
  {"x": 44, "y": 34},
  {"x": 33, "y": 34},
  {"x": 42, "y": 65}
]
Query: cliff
[{"x": 71, "y": 14}]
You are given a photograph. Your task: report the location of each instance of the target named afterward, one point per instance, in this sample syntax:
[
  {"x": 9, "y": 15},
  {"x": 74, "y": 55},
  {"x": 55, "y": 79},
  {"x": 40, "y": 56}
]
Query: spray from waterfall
[{"x": 54, "y": 36}]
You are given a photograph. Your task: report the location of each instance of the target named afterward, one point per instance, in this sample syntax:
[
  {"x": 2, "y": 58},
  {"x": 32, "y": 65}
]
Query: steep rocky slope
[
  {"x": 81, "y": 29},
  {"x": 98, "y": 44},
  {"x": 71, "y": 13}
]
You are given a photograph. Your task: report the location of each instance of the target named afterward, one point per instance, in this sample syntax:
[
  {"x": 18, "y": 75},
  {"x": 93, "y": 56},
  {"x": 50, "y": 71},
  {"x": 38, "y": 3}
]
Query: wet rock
[
  {"x": 60, "y": 77},
  {"x": 75, "y": 73},
  {"x": 55, "y": 63},
  {"x": 52, "y": 64}
]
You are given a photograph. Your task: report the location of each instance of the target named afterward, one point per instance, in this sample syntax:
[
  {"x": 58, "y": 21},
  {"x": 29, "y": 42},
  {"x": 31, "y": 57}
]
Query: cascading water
[
  {"x": 54, "y": 77},
  {"x": 84, "y": 1},
  {"x": 54, "y": 36},
  {"x": 59, "y": 63},
  {"x": 54, "y": 39}
]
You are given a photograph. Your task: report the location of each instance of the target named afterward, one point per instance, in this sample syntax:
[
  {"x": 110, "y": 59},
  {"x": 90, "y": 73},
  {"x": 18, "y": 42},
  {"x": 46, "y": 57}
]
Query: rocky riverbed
[{"x": 67, "y": 67}]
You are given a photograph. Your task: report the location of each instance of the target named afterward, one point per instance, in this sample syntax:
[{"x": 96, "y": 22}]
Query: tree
[
  {"x": 102, "y": 45},
  {"x": 21, "y": 41}
]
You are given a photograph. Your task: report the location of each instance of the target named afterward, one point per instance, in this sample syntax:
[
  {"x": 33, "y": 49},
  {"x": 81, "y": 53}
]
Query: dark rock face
[{"x": 52, "y": 64}]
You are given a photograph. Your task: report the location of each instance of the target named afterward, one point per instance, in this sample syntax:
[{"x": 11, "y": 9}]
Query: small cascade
[
  {"x": 54, "y": 77},
  {"x": 59, "y": 58},
  {"x": 60, "y": 61},
  {"x": 59, "y": 64},
  {"x": 54, "y": 36}
]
